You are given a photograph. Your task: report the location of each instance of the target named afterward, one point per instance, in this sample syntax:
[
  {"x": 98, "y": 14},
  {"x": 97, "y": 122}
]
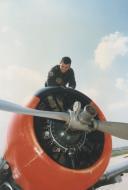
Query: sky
[{"x": 36, "y": 34}]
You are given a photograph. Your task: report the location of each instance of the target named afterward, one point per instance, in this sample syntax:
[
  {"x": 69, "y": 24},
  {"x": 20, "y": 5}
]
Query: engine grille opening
[{"x": 69, "y": 148}]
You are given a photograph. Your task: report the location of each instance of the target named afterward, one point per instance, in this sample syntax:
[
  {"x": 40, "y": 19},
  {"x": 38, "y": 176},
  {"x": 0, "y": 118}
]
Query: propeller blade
[
  {"x": 117, "y": 129},
  {"x": 12, "y": 107}
]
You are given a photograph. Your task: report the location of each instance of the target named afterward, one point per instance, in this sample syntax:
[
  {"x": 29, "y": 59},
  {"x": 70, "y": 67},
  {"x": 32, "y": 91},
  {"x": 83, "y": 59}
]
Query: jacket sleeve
[
  {"x": 72, "y": 81},
  {"x": 51, "y": 78}
]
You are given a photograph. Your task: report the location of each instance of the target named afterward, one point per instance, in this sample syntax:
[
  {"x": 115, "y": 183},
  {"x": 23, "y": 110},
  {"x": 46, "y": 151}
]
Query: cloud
[
  {"x": 118, "y": 105},
  {"x": 92, "y": 93},
  {"x": 109, "y": 48},
  {"x": 4, "y": 29},
  {"x": 17, "y": 83},
  {"x": 119, "y": 102},
  {"x": 122, "y": 84}
]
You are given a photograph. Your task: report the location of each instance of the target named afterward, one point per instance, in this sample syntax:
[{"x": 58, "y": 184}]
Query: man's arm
[
  {"x": 51, "y": 79},
  {"x": 72, "y": 81}
]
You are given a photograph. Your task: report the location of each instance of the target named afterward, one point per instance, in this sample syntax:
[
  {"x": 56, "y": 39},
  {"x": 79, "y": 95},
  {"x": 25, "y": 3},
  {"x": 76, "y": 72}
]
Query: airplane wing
[{"x": 114, "y": 172}]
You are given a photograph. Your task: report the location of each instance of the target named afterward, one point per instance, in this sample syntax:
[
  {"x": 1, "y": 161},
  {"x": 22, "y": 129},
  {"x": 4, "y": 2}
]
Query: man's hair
[{"x": 66, "y": 60}]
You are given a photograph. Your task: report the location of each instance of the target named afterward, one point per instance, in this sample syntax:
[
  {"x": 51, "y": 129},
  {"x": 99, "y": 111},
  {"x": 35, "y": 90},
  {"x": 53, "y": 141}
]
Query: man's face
[{"x": 64, "y": 67}]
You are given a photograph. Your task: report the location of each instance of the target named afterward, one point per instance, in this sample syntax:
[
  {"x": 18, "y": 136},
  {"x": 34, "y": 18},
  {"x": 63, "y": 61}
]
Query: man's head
[{"x": 65, "y": 64}]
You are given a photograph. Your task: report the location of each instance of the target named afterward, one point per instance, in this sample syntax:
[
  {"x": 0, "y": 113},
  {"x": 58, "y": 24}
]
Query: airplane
[{"x": 60, "y": 140}]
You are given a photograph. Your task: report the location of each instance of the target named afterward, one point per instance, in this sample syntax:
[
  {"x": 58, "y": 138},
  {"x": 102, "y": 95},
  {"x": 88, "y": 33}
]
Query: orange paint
[{"x": 33, "y": 169}]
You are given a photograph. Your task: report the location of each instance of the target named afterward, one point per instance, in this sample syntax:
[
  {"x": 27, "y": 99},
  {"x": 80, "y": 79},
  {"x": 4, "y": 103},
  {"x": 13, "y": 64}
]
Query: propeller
[
  {"x": 76, "y": 119},
  {"x": 117, "y": 129},
  {"x": 12, "y": 107}
]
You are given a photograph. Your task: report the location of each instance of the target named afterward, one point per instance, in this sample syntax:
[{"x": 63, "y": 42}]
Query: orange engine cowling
[{"x": 43, "y": 154}]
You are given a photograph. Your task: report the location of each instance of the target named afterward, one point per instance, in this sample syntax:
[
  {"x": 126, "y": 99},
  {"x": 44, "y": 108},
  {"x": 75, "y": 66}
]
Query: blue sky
[{"x": 35, "y": 34}]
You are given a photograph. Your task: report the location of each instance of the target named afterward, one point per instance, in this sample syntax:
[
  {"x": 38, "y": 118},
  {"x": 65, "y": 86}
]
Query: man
[{"x": 62, "y": 74}]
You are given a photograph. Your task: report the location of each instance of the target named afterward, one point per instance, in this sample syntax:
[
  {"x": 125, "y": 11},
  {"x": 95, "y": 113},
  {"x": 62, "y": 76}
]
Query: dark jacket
[{"x": 57, "y": 78}]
